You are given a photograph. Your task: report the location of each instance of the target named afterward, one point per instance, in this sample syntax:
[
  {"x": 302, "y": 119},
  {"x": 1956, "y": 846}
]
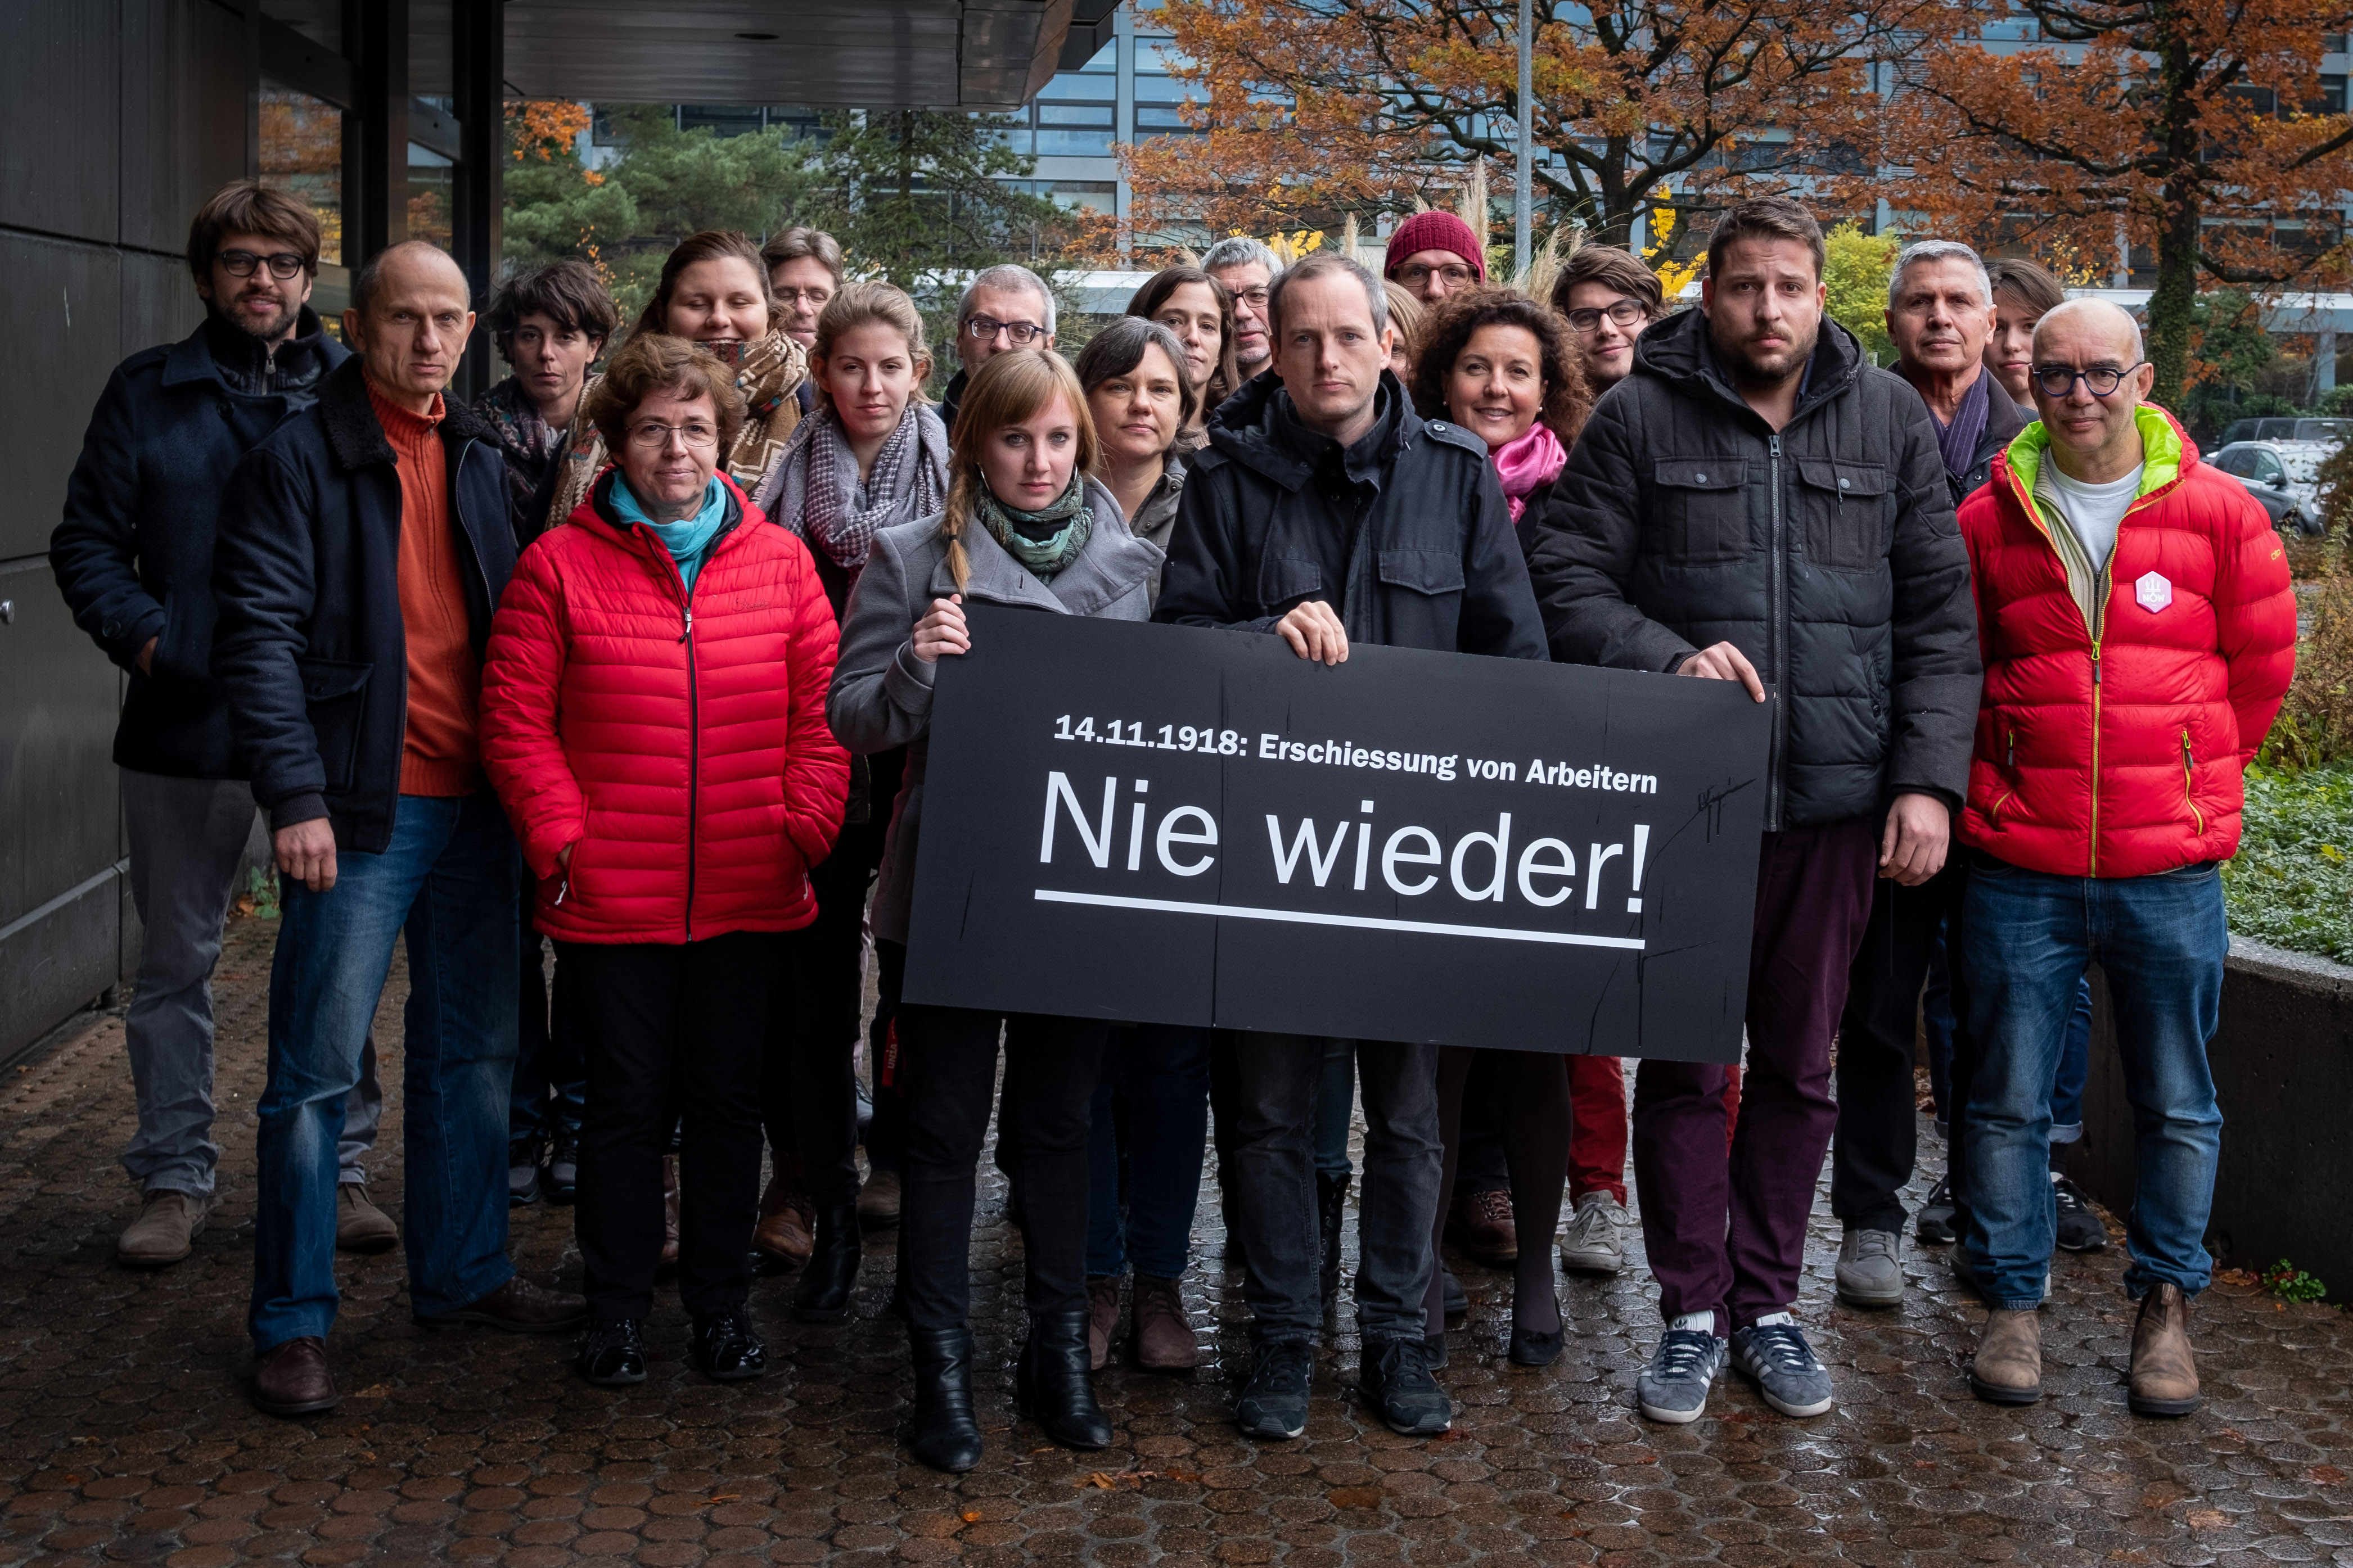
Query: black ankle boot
[
  {"x": 943, "y": 1433},
  {"x": 832, "y": 1272},
  {"x": 1331, "y": 1208},
  {"x": 1051, "y": 1382}
]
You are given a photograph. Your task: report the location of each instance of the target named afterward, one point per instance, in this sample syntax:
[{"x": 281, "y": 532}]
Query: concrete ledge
[{"x": 2282, "y": 1065}]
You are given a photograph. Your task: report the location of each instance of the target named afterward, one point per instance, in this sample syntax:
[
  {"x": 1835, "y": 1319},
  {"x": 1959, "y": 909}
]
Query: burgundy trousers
[{"x": 1726, "y": 1230}]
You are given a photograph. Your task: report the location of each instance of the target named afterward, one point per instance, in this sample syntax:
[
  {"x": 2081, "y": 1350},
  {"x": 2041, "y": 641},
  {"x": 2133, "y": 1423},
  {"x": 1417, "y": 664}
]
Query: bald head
[
  {"x": 410, "y": 315},
  {"x": 2094, "y": 436}
]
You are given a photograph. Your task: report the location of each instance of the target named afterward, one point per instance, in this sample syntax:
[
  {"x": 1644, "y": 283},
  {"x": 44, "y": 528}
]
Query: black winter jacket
[
  {"x": 133, "y": 555},
  {"x": 1418, "y": 517},
  {"x": 307, "y": 575},
  {"x": 2004, "y": 420},
  {"x": 1828, "y": 553}
]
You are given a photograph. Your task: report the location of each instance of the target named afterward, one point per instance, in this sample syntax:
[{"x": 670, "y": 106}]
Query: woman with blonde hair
[
  {"x": 1406, "y": 313},
  {"x": 1024, "y": 526}
]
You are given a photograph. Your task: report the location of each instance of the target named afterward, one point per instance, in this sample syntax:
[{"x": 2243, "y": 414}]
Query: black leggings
[
  {"x": 808, "y": 1070},
  {"x": 1535, "y": 1089},
  {"x": 948, "y": 1069}
]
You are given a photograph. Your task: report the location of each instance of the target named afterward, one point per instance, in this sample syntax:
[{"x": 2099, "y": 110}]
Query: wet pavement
[{"x": 125, "y": 1435}]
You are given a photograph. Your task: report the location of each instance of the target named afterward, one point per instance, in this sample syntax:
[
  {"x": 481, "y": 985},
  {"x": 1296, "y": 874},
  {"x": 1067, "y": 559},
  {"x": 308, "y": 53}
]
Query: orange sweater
[{"x": 441, "y": 756}]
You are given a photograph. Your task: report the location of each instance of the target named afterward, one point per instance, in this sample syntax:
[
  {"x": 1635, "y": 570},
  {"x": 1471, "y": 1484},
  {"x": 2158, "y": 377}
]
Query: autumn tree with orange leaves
[
  {"x": 1306, "y": 108},
  {"x": 2189, "y": 129}
]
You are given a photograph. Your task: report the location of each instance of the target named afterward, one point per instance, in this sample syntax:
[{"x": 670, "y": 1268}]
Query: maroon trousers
[{"x": 1727, "y": 1232}]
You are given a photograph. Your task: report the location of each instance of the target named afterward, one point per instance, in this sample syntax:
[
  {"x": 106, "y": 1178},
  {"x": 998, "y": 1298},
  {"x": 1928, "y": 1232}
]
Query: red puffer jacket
[
  {"x": 2119, "y": 752},
  {"x": 678, "y": 743}
]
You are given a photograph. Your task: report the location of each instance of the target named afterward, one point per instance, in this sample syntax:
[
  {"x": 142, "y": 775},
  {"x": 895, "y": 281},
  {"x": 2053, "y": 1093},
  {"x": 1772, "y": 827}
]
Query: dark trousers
[
  {"x": 808, "y": 1070},
  {"x": 1727, "y": 1231},
  {"x": 1480, "y": 1164},
  {"x": 1533, "y": 1091},
  {"x": 948, "y": 1061},
  {"x": 1162, "y": 1073},
  {"x": 1878, "y": 1120},
  {"x": 669, "y": 1029},
  {"x": 886, "y": 1132}
]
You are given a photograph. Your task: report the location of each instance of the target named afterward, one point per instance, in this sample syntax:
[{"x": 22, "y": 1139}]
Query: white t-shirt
[{"x": 2093, "y": 512}]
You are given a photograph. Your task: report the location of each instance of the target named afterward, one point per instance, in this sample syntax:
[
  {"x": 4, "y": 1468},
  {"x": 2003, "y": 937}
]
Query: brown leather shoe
[
  {"x": 292, "y": 1379},
  {"x": 2164, "y": 1375},
  {"x": 2008, "y": 1365},
  {"x": 519, "y": 1307},
  {"x": 669, "y": 1216},
  {"x": 787, "y": 1227},
  {"x": 1102, "y": 1317},
  {"x": 1164, "y": 1337},
  {"x": 360, "y": 1226},
  {"x": 1480, "y": 1225}
]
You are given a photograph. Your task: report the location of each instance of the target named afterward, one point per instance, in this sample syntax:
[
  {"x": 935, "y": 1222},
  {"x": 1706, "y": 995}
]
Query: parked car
[
  {"x": 2332, "y": 431},
  {"x": 2283, "y": 475}
]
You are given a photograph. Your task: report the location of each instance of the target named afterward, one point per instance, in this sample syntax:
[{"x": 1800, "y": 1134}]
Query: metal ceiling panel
[{"x": 850, "y": 54}]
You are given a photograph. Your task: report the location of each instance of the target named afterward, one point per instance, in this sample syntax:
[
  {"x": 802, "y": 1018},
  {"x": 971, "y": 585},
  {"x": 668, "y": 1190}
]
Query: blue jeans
[
  {"x": 2074, "y": 1061},
  {"x": 447, "y": 883},
  {"x": 2028, "y": 938},
  {"x": 1163, "y": 1073}
]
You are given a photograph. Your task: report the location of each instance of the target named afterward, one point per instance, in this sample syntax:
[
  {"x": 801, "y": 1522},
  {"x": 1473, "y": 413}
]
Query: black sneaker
[
  {"x": 1934, "y": 1222},
  {"x": 613, "y": 1355},
  {"x": 2080, "y": 1229},
  {"x": 562, "y": 1179},
  {"x": 1394, "y": 1377},
  {"x": 522, "y": 1171},
  {"x": 1273, "y": 1403},
  {"x": 726, "y": 1349}
]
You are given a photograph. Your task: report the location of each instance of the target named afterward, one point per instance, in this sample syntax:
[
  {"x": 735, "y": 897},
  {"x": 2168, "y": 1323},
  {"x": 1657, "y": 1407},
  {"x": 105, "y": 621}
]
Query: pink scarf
[{"x": 1535, "y": 458}]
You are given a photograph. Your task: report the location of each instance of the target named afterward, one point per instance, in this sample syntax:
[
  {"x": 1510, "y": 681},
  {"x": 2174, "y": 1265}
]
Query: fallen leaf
[
  {"x": 726, "y": 1497},
  {"x": 1097, "y": 1480},
  {"x": 972, "y": 1518},
  {"x": 1356, "y": 1496},
  {"x": 2322, "y": 1475},
  {"x": 374, "y": 1391},
  {"x": 2207, "y": 1519}
]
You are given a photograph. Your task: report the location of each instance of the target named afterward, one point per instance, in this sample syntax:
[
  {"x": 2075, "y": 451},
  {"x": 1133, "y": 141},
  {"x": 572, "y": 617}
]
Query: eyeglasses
[
  {"x": 653, "y": 436},
  {"x": 1255, "y": 298},
  {"x": 241, "y": 263},
  {"x": 984, "y": 328},
  {"x": 817, "y": 296},
  {"x": 2058, "y": 381},
  {"x": 1587, "y": 318},
  {"x": 1413, "y": 274}
]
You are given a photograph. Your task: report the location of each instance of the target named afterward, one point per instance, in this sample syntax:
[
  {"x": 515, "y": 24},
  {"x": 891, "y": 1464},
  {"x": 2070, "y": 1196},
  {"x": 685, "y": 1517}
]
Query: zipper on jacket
[
  {"x": 1775, "y": 642},
  {"x": 2188, "y": 778},
  {"x": 694, "y": 742},
  {"x": 2093, "y": 868}
]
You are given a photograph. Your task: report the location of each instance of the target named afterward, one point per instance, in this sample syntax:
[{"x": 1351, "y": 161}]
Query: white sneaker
[{"x": 1595, "y": 1238}]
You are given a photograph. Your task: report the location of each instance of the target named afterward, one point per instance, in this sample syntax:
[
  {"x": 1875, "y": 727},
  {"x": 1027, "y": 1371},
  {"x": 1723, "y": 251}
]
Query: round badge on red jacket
[{"x": 2153, "y": 592}]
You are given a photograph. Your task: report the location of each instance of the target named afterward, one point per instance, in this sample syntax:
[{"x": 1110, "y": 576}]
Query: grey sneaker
[
  {"x": 1673, "y": 1387},
  {"x": 1596, "y": 1241},
  {"x": 1870, "y": 1268},
  {"x": 1777, "y": 1355}
]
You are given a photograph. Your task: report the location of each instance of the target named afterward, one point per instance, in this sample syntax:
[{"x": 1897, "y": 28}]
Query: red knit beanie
[{"x": 1434, "y": 230}]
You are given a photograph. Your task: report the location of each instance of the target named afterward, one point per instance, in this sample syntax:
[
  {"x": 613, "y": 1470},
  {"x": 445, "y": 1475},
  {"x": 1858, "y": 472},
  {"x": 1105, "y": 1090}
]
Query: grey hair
[
  {"x": 1921, "y": 250},
  {"x": 1006, "y": 275},
  {"x": 1324, "y": 263},
  {"x": 2131, "y": 323},
  {"x": 1241, "y": 250}
]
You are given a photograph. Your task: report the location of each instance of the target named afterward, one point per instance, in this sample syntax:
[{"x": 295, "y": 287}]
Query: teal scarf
[
  {"x": 1045, "y": 541},
  {"x": 687, "y": 541}
]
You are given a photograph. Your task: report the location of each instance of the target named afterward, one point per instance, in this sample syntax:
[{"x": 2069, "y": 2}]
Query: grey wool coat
[{"x": 882, "y": 694}]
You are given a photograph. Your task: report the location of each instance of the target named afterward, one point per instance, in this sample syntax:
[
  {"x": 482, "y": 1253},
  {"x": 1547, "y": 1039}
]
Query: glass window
[
  {"x": 432, "y": 192},
  {"x": 724, "y": 120},
  {"x": 302, "y": 154},
  {"x": 2332, "y": 94}
]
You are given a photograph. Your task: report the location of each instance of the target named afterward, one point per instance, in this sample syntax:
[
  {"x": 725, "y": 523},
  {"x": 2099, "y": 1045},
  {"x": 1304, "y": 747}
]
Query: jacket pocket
[
  {"x": 1702, "y": 509},
  {"x": 2189, "y": 784},
  {"x": 1430, "y": 572},
  {"x": 335, "y": 691},
  {"x": 1284, "y": 580},
  {"x": 1848, "y": 513}
]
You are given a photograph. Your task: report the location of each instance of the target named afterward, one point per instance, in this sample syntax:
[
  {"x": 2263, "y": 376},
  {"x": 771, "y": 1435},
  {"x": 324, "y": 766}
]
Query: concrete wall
[{"x": 2282, "y": 1064}]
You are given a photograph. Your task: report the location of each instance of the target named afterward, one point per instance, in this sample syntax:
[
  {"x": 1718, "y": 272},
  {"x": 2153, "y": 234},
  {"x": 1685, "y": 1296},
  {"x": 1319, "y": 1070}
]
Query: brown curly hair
[
  {"x": 655, "y": 361},
  {"x": 1449, "y": 328}
]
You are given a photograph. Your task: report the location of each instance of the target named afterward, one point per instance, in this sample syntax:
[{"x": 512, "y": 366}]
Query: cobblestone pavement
[{"x": 125, "y": 1435}]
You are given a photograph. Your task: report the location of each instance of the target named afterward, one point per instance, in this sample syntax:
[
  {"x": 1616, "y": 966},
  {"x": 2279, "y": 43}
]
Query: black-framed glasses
[
  {"x": 1623, "y": 313},
  {"x": 1255, "y": 298},
  {"x": 282, "y": 265},
  {"x": 984, "y": 328},
  {"x": 2058, "y": 381},
  {"x": 1413, "y": 274}
]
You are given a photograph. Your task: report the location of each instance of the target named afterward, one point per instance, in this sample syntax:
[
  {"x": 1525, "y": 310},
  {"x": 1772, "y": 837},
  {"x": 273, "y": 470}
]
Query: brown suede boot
[
  {"x": 2008, "y": 1365},
  {"x": 1163, "y": 1336},
  {"x": 2164, "y": 1376},
  {"x": 1102, "y": 1317},
  {"x": 787, "y": 1230}
]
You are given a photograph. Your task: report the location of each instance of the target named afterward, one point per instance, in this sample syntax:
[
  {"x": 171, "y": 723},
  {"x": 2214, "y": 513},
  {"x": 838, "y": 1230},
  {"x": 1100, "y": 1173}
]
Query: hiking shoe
[
  {"x": 1934, "y": 1224},
  {"x": 522, "y": 1171},
  {"x": 878, "y": 1200},
  {"x": 562, "y": 1183},
  {"x": 1480, "y": 1225},
  {"x": 1273, "y": 1403},
  {"x": 165, "y": 1231},
  {"x": 1774, "y": 1351},
  {"x": 1673, "y": 1387},
  {"x": 1870, "y": 1268},
  {"x": 1596, "y": 1241},
  {"x": 1394, "y": 1377},
  {"x": 2080, "y": 1229}
]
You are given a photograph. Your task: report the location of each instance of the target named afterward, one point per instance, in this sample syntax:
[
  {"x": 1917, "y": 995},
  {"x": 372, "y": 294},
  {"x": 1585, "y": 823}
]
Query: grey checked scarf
[{"x": 814, "y": 491}]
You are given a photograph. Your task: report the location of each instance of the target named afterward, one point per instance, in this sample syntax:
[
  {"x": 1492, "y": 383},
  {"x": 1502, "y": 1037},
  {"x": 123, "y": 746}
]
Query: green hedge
[{"x": 2292, "y": 884}]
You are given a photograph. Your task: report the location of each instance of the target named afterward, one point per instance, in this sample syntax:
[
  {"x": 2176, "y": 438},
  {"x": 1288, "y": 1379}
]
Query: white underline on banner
[{"x": 1367, "y": 922}]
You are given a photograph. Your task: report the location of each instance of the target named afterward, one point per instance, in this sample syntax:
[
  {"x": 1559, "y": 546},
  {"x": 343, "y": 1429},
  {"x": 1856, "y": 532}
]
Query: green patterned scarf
[{"x": 1045, "y": 541}]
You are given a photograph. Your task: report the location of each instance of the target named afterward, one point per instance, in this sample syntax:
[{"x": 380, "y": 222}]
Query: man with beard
[
  {"x": 134, "y": 558},
  {"x": 1756, "y": 503}
]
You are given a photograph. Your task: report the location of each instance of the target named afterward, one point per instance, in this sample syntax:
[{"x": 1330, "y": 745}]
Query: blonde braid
[{"x": 962, "y": 504}]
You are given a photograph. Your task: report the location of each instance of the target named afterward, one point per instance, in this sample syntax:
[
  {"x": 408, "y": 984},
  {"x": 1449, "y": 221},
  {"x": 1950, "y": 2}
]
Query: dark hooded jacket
[
  {"x": 1405, "y": 534},
  {"x": 306, "y": 577},
  {"x": 1826, "y": 552},
  {"x": 133, "y": 555}
]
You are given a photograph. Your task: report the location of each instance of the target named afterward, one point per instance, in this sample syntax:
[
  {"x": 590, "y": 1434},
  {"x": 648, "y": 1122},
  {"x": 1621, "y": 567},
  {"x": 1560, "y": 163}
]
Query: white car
[{"x": 2283, "y": 475}]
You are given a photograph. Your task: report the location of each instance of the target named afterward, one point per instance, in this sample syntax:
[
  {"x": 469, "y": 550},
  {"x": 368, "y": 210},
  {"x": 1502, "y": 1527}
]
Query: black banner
[{"x": 1165, "y": 824}]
